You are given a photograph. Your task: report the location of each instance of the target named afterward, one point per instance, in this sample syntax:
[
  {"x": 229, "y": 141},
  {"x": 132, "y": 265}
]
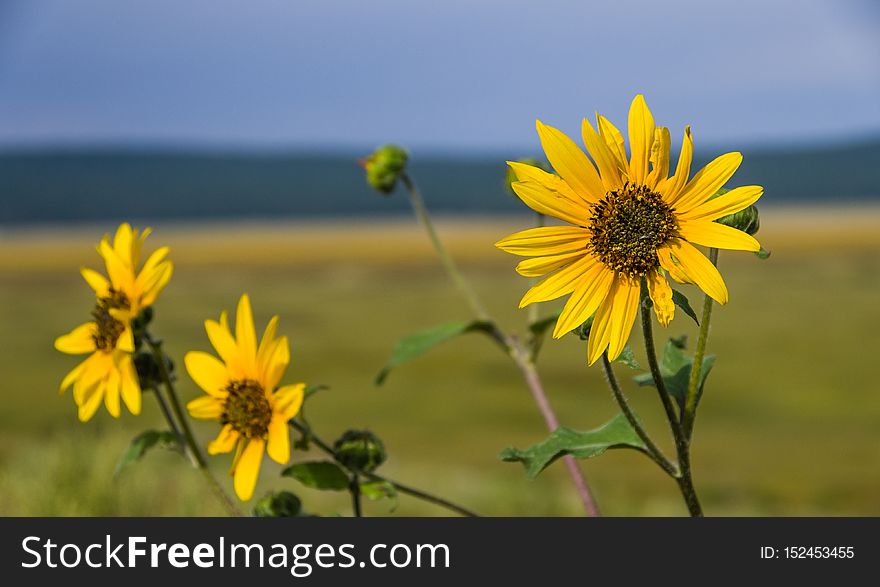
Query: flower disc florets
[
  {"x": 109, "y": 329},
  {"x": 247, "y": 409},
  {"x": 628, "y": 226}
]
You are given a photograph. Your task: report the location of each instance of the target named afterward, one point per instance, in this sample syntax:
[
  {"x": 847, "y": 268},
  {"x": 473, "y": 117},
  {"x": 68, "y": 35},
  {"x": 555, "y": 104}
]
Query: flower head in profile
[
  {"x": 631, "y": 220},
  {"x": 243, "y": 394},
  {"x": 108, "y": 374}
]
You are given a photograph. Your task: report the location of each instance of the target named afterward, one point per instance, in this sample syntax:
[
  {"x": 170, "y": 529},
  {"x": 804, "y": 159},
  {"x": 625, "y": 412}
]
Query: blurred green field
[{"x": 790, "y": 423}]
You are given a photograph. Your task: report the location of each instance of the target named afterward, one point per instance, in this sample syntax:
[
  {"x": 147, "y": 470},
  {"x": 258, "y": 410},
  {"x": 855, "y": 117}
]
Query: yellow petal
[
  {"x": 540, "y": 266},
  {"x": 268, "y": 337},
  {"x": 552, "y": 183},
  {"x": 659, "y": 157},
  {"x": 244, "y": 332},
  {"x": 72, "y": 376},
  {"x": 698, "y": 269},
  {"x": 614, "y": 139},
  {"x": 121, "y": 275},
  {"x": 278, "y": 446},
  {"x": 155, "y": 288},
  {"x": 719, "y": 236},
  {"x": 671, "y": 189},
  {"x": 150, "y": 266},
  {"x": 129, "y": 386},
  {"x": 276, "y": 365},
  {"x": 600, "y": 331},
  {"x": 125, "y": 342},
  {"x": 609, "y": 166},
  {"x": 90, "y": 401},
  {"x": 224, "y": 442},
  {"x": 585, "y": 299},
  {"x": 208, "y": 372},
  {"x": 641, "y": 137},
  {"x": 550, "y": 203},
  {"x": 560, "y": 283},
  {"x": 111, "y": 393},
  {"x": 570, "y": 163},
  {"x": 730, "y": 203},
  {"x": 96, "y": 281},
  {"x": 546, "y": 240},
  {"x": 206, "y": 407},
  {"x": 707, "y": 181},
  {"x": 248, "y": 468},
  {"x": 671, "y": 265},
  {"x": 79, "y": 341},
  {"x": 661, "y": 295},
  {"x": 287, "y": 401},
  {"x": 122, "y": 243},
  {"x": 221, "y": 339},
  {"x": 623, "y": 314}
]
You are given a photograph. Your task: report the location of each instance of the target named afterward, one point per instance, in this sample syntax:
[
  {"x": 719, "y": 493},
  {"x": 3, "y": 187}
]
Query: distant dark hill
[{"x": 75, "y": 186}]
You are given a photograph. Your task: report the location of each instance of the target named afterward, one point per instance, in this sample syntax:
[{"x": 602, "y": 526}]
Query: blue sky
[{"x": 456, "y": 74}]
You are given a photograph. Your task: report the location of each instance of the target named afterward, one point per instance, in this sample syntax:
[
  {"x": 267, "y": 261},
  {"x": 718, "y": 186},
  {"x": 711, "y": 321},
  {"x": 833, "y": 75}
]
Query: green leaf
[
  {"x": 616, "y": 433},
  {"x": 628, "y": 358},
  {"x": 143, "y": 442},
  {"x": 540, "y": 326},
  {"x": 680, "y": 300},
  {"x": 417, "y": 344},
  {"x": 377, "y": 490},
  {"x": 313, "y": 389},
  {"x": 281, "y": 504},
  {"x": 318, "y": 475},
  {"x": 675, "y": 368}
]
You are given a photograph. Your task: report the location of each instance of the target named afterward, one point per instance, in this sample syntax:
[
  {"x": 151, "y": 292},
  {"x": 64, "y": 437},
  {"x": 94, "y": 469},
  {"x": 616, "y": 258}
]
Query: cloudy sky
[{"x": 456, "y": 74}]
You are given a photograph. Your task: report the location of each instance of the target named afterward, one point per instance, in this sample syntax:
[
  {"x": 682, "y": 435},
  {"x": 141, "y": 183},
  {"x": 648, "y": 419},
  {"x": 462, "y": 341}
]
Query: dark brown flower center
[
  {"x": 247, "y": 409},
  {"x": 109, "y": 329},
  {"x": 628, "y": 226}
]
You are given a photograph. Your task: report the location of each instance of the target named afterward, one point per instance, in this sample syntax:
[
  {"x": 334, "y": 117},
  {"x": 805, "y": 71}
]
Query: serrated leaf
[
  {"x": 318, "y": 475},
  {"x": 680, "y": 300},
  {"x": 616, "y": 433},
  {"x": 143, "y": 442},
  {"x": 415, "y": 345},
  {"x": 628, "y": 358},
  {"x": 377, "y": 490},
  {"x": 675, "y": 368}
]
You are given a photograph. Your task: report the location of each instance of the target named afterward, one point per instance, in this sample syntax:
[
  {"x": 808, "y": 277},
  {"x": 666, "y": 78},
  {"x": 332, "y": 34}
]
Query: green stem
[
  {"x": 417, "y": 493},
  {"x": 682, "y": 448},
  {"x": 163, "y": 406},
  {"x": 652, "y": 450},
  {"x": 521, "y": 357},
  {"x": 464, "y": 287},
  {"x": 188, "y": 438},
  {"x": 694, "y": 390},
  {"x": 355, "y": 489}
]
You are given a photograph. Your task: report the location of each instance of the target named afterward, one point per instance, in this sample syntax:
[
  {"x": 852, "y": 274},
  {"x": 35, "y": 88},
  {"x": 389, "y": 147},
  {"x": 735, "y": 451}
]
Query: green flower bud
[
  {"x": 281, "y": 504},
  {"x": 746, "y": 220},
  {"x": 360, "y": 450},
  {"x": 511, "y": 176},
  {"x": 149, "y": 375},
  {"x": 139, "y": 326},
  {"x": 384, "y": 167}
]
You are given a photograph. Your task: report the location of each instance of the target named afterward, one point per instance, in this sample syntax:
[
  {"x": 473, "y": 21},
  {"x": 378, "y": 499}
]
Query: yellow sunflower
[
  {"x": 631, "y": 221},
  {"x": 242, "y": 395},
  {"x": 109, "y": 373}
]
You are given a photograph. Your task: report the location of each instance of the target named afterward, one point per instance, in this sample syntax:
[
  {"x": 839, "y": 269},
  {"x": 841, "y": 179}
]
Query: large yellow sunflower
[
  {"x": 631, "y": 221},
  {"x": 242, "y": 395},
  {"x": 109, "y": 373}
]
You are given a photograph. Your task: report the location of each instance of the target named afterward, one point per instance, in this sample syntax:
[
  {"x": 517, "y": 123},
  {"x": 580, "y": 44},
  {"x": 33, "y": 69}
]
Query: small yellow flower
[
  {"x": 109, "y": 374},
  {"x": 631, "y": 221},
  {"x": 242, "y": 395}
]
